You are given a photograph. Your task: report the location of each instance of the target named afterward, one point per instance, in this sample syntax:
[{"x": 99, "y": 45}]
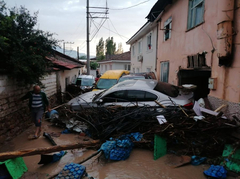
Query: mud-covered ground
[{"x": 140, "y": 164}]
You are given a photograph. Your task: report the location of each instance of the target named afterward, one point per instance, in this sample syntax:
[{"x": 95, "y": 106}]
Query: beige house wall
[{"x": 202, "y": 38}]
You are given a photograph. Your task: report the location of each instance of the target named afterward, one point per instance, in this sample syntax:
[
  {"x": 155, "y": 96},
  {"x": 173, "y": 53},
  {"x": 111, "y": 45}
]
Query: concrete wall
[
  {"x": 149, "y": 55},
  {"x": 70, "y": 74},
  {"x": 50, "y": 84},
  {"x": 112, "y": 66},
  {"x": 203, "y": 37}
]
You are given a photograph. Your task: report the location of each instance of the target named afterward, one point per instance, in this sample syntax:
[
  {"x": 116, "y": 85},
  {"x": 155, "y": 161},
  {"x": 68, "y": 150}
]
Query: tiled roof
[
  {"x": 62, "y": 61},
  {"x": 123, "y": 56}
]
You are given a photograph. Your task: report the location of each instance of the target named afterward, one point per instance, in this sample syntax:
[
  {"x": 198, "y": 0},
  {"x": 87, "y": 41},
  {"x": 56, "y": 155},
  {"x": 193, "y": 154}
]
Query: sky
[{"x": 66, "y": 19}]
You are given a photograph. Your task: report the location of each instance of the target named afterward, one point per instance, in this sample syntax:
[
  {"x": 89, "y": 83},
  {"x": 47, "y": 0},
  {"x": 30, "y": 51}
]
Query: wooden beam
[{"x": 45, "y": 150}]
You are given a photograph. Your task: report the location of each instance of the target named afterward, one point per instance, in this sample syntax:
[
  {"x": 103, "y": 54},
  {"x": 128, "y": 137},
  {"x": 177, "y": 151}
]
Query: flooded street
[{"x": 140, "y": 164}]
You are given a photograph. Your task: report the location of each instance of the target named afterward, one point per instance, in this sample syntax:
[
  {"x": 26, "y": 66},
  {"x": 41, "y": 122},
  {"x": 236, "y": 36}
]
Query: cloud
[{"x": 67, "y": 19}]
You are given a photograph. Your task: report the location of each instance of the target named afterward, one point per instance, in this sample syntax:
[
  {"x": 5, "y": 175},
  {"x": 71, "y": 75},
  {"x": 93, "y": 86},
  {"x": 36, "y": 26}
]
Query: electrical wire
[{"x": 130, "y": 6}]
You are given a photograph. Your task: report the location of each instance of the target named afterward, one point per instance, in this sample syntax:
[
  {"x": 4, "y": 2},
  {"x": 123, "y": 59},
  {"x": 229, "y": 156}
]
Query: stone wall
[
  {"x": 14, "y": 115},
  {"x": 230, "y": 109}
]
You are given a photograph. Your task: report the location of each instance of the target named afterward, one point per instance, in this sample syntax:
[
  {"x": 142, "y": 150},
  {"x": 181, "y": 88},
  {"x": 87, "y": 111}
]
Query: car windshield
[
  {"x": 105, "y": 83},
  {"x": 87, "y": 82},
  {"x": 131, "y": 78}
]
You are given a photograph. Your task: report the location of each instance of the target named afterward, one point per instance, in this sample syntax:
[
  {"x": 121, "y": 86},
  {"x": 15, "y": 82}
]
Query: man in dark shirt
[{"x": 38, "y": 103}]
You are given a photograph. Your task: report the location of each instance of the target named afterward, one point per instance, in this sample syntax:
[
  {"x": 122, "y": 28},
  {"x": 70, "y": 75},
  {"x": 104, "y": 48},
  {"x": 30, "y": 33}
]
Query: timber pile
[{"x": 184, "y": 135}]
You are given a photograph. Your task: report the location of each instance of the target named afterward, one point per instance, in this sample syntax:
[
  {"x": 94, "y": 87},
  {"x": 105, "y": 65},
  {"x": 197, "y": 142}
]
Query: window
[
  {"x": 168, "y": 28},
  {"x": 137, "y": 95},
  {"x": 133, "y": 51},
  {"x": 195, "y": 13},
  {"x": 196, "y": 61},
  {"x": 139, "y": 47},
  {"x": 117, "y": 96},
  {"x": 149, "y": 41},
  {"x": 164, "y": 72},
  {"x": 127, "y": 67}
]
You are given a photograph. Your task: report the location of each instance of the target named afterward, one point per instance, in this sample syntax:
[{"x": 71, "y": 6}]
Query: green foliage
[
  {"x": 22, "y": 48},
  {"x": 93, "y": 65},
  {"x": 110, "y": 46},
  {"x": 84, "y": 57},
  {"x": 100, "y": 50}
]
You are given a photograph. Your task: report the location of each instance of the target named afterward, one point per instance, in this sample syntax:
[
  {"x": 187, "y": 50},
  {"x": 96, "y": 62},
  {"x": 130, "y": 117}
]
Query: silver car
[{"x": 134, "y": 93}]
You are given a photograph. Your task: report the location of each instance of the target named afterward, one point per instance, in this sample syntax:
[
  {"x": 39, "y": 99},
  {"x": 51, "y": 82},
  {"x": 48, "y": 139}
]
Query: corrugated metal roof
[{"x": 62, "y": 64}]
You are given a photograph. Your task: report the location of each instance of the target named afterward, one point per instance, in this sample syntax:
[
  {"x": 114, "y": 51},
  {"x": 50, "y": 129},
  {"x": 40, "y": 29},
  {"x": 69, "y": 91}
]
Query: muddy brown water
[{"x": 139, "y": 165}]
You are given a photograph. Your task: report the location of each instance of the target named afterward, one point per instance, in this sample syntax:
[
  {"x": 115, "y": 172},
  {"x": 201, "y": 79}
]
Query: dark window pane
[
  {"x": 135, "y": 95},
  {"x": 117, "y": 96},
  {"x": 150, "y": 97},
  {"x": 199, "y": 15}
]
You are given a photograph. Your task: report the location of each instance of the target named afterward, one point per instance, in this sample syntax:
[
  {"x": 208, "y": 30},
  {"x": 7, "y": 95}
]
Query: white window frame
[
  {"x": 140, "y": 47},
  {"x": 168, "y": 29},
  {"x": 133, "y": 50},
  {"x": 149, "y": 41},
  {"x": 192, "y": 12}
]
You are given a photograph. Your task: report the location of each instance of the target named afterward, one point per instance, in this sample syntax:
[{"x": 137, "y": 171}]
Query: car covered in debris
[{"x": 134, "y": 93}]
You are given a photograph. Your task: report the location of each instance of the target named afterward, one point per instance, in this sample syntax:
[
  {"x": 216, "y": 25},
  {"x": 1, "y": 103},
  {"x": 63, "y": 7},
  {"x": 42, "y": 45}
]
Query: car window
[
  {"x": 138, "y": 95},
  {"x": 87, "y": 82},
  {"x": 105, "y": 83},
  {"x": 78, "y": 82},
  {"x": 118, "y": 96}
]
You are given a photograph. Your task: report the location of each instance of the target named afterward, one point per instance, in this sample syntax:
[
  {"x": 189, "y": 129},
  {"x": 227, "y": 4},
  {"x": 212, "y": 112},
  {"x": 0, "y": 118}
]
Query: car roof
[
  {"x": 114, "y": 74},
  {"x": 85, "y": 76},
  {"x": 133, "y": 84}
]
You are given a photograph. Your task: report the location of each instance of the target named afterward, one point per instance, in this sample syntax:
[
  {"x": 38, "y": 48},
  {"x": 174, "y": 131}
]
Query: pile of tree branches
[{"x": 184, "y": 135}]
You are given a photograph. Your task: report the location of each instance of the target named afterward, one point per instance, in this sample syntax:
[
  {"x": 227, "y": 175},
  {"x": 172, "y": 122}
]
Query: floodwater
[{"x": 139, "y": 165}]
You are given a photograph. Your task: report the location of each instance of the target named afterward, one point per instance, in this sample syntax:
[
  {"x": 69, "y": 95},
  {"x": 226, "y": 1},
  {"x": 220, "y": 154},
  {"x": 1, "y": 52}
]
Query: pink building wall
[{"x": 203, "y": 37}]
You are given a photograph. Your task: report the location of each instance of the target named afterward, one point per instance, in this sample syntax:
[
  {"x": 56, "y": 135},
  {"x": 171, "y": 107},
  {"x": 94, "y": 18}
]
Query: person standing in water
[{"x": 38, "y": 103}]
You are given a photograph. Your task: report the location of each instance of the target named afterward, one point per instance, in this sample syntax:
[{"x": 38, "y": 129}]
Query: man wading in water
[{"x": 38, "y": 103}]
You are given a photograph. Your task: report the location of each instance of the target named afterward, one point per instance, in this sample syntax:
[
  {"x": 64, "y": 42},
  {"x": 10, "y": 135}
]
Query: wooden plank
[{"x": 45, "y": 150}]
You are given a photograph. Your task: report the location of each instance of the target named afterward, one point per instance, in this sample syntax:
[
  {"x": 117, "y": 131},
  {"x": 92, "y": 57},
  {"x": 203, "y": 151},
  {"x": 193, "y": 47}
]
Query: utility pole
[
  {"x": 64, "y": 45},
  {"x": 88, "y": 60},
  {"x": 88, "y": 41}
]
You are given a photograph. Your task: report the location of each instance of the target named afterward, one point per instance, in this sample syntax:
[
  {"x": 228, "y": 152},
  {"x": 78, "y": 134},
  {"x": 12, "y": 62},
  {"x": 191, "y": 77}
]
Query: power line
[
  {"x": 115, "y": 32},
  {"x": 130, "y": 6},
  {"x": 115, "y": 29}
]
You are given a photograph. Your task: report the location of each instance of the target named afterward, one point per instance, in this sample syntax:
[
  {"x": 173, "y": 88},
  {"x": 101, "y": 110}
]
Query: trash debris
[
  {"x": 120, "y": 148},
  {"x": 72, "y": 170},
  {"x": 16, "y": 167},
  {"x": 216, "y": 171},
  {"x": 46, "y": 159},
  {"x": 49, "y": 138},
  {"x": 196, "y": 160}
]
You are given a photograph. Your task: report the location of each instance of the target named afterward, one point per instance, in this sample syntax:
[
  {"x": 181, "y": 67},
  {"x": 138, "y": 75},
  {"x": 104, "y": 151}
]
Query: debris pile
[{"x": 185, "y": 134}]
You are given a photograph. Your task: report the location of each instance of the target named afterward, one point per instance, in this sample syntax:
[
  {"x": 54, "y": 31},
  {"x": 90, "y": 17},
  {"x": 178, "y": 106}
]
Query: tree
[
  {"x": 100, "y": 50},
  {"x": 120, "y": 49},
  {"x": 93, "y": 65},
  {"x": 23, "y": 49},
  {"x": 84, "y": 57},
  {"x": 110, "y": 46}
]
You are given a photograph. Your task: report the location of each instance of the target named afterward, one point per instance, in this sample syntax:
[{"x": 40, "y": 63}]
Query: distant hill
[{"x": 72, "y": 53}]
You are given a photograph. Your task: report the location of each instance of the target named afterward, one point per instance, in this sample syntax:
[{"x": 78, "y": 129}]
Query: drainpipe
[{"x": 225, "y": 31}]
